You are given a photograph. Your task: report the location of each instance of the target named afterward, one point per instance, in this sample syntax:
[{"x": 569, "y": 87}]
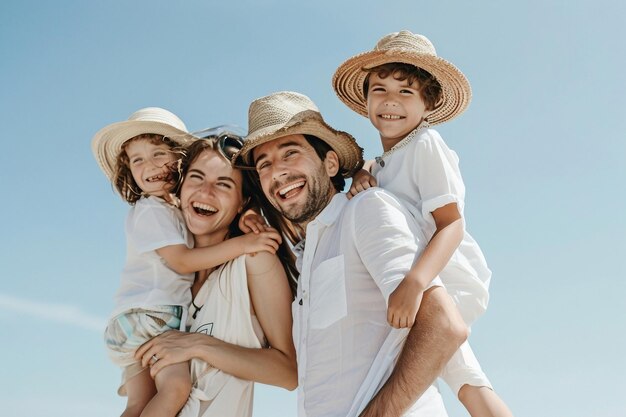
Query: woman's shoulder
[{"x": 260, "y": 263}]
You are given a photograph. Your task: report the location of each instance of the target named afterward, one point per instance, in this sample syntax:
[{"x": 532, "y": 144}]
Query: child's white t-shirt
[
  {"x": 146, "y": 280},
  {"x": 424, "y": 173}
]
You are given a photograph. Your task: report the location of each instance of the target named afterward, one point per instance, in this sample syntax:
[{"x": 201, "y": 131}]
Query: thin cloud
[{"x": 60, "y": 313}]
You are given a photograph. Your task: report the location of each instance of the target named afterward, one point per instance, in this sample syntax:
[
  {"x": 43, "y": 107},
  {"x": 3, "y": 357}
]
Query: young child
[
  {"x": 140, "y": 156},
  {"x": 404, "y": 88}
]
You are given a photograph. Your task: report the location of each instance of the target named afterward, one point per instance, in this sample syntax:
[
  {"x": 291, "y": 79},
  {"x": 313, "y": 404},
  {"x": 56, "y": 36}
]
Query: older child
[
  {"x": 140, "y": 157},
  {"x": 404, "y": 87}
]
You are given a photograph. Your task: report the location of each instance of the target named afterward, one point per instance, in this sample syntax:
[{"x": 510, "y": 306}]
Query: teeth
[
  {"x": 289, "y": 188},
  {"x": 390, "y": 116},
  {"x": 160, "y": 177},
  {"x": 204, "y": 207}
]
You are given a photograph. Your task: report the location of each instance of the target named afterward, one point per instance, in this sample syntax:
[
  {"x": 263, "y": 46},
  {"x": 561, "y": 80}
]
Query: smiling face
[
  {"x": 294, "y": 178},
  {"x": 395, "y": 108},
  {"x": 150, "y": 165},
  {"x": 210, "y": 197}
]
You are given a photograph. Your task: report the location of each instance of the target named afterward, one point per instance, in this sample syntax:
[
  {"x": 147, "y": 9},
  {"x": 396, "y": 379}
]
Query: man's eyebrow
[{"x": 282, "y": 145}]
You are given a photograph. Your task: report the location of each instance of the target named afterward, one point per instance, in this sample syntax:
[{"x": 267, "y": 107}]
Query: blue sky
[{"x": 542, "y": 152}]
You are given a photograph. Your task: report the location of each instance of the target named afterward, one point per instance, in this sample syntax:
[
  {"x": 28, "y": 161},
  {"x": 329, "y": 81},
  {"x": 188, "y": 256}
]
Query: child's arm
[
  {"x": 362, "y": 180},
  {"x": 251, "y": 221},
  {"x": 405, "y": 300},
  {"x": 184, "y": 260}
]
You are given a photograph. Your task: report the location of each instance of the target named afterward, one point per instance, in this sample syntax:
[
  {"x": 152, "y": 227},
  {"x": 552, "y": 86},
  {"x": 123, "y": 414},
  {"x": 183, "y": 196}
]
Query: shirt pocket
[{"x": 328, "y": 293}]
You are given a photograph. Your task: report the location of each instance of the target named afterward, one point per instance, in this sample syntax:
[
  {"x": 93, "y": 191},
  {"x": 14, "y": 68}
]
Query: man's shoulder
[
  {"x": 368, "y": 205},
  {"x": 372, "y": 196}
]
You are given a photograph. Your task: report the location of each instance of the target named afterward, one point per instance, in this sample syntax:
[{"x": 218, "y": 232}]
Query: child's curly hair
[
  {"x": 123, "y": 178},
  {"x": 428, "y": 86}
]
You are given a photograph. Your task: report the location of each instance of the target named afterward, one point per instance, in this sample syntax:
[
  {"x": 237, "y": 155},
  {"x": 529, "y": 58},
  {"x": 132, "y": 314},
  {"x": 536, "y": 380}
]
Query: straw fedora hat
[
  {"x": 404, "y": 47},
  {"x": 107, "y": 143},
  {"x": 287, "y": 113}
]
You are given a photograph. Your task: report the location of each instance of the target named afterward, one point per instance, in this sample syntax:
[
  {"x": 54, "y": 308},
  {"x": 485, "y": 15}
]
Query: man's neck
[{"x": 302, "y": 225}]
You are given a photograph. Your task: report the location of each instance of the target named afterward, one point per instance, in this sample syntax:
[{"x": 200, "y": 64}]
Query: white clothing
[
  {"x": 355, "y": 254},
  {"x": 424, "y": 173},
  {"x": 146, "y": 280},
  {"x": 224, "y": 313}
]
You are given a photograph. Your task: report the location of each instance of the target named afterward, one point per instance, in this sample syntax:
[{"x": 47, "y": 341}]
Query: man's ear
[{"x": 331, "y": 163}]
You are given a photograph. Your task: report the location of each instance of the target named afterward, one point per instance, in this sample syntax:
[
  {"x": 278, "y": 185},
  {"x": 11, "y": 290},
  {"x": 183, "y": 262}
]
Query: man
[{"x": 350, "y": 360}]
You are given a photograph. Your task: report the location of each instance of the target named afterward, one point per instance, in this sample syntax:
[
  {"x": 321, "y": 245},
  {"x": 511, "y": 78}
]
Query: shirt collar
[{"x": 331, "y": 212}]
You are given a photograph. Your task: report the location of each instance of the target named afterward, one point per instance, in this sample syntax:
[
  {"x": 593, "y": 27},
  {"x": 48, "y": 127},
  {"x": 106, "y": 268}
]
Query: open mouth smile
[
  {"x": 203, "y": 209},
  {"x": 158, "y": 177},
  {"x": 290, "y": 190}
]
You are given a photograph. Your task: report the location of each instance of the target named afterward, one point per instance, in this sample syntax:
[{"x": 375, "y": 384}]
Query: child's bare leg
[
  {"x": 173, "y": 384},
  {"x": 483, "y": 402},
  {"x": 140, "y": 390}
]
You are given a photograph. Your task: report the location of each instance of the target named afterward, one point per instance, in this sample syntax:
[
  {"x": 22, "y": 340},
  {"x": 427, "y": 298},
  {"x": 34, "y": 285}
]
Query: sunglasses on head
[{"x": 228, "y": 142}]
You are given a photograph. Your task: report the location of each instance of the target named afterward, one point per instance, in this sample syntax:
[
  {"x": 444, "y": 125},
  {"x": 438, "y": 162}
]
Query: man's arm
[{"x": 437, "y": 334}]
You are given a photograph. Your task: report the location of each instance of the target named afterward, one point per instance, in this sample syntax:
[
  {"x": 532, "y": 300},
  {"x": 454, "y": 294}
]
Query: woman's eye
[
  {"x": 224, "y": 185},
  {"x": 406, "y": 91},
  {"x": 136, "y": 161},
  {"x": 195, "y": 177},
  {"x": 377, "y": 89}
]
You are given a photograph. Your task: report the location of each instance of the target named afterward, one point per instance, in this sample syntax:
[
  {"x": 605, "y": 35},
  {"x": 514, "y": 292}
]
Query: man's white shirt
[{"x": 356, "y": 252}]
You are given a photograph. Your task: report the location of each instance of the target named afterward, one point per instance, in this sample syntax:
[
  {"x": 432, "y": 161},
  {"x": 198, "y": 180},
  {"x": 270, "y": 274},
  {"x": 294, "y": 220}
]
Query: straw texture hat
[
  {"x": 107, "y": 143},
  {"x": 404, "y": 47},
  {"x": 287, "y": 113}
]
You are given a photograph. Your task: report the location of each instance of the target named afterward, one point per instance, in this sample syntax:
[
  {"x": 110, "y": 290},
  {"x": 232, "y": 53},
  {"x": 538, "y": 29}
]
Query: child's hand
[
  {"x": 251, "y": 221},
  {"x": 361, "y": 181},
  {"x": 404, "y": 303},
  {"x": 267, "y": 240}
]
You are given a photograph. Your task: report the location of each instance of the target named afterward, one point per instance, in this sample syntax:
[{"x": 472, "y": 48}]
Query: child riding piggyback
[{"x": 404, "y": 88}]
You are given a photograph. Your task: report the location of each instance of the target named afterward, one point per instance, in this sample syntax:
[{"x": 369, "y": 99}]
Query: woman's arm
[{"x": 271, "y": 298}]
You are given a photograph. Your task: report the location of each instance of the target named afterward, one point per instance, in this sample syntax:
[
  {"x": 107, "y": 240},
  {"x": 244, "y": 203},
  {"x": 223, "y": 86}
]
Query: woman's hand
[{"x": 169, "y": 348}]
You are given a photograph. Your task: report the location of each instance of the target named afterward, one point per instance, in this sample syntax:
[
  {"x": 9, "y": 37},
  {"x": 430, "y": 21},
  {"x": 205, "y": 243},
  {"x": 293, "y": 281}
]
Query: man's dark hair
[{"x": 321, "y": 149}]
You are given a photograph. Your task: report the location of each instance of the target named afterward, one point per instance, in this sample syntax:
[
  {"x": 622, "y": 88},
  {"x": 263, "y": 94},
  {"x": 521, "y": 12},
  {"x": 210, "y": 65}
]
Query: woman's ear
[{"x": 331, "y": 163}]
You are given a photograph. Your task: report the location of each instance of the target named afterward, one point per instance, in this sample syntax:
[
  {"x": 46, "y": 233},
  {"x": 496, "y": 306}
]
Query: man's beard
[{"x": 320, "y": 191}]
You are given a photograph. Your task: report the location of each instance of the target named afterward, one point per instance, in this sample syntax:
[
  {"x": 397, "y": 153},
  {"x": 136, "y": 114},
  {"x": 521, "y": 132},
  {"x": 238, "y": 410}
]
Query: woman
[{"x": 241, "y": 312}]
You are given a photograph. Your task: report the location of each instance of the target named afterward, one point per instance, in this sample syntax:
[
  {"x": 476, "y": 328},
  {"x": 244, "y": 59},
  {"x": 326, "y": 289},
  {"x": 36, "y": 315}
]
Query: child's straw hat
[
  {"x": 107, "y": 143},
  {"x": 287, "y": 113},
  {"x": 404, "y": 47}
]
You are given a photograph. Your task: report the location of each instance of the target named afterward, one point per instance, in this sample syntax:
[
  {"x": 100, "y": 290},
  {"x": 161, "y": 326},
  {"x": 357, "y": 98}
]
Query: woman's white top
[
  {"x": 423, "y": 172},
  {"x": 146, "y": 280},
  {"x": 222, "y": 310}
]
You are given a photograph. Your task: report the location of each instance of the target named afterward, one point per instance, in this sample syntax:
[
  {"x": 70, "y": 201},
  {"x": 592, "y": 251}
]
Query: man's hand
[{"x": 404, "y": 303}]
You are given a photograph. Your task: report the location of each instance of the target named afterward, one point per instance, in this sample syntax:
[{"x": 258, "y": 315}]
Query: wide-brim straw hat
[
  {"x": 404, "y": 47},
  {"x": 107, "y": 143},
  {"x": 287, "y": 113}
]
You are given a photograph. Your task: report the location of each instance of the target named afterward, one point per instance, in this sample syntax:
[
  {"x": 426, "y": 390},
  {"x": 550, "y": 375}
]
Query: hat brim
[
  {"x": 349, "y": 78},
  {"x": 308, "y": 122},
  {"x": 107, "y": 142}
]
